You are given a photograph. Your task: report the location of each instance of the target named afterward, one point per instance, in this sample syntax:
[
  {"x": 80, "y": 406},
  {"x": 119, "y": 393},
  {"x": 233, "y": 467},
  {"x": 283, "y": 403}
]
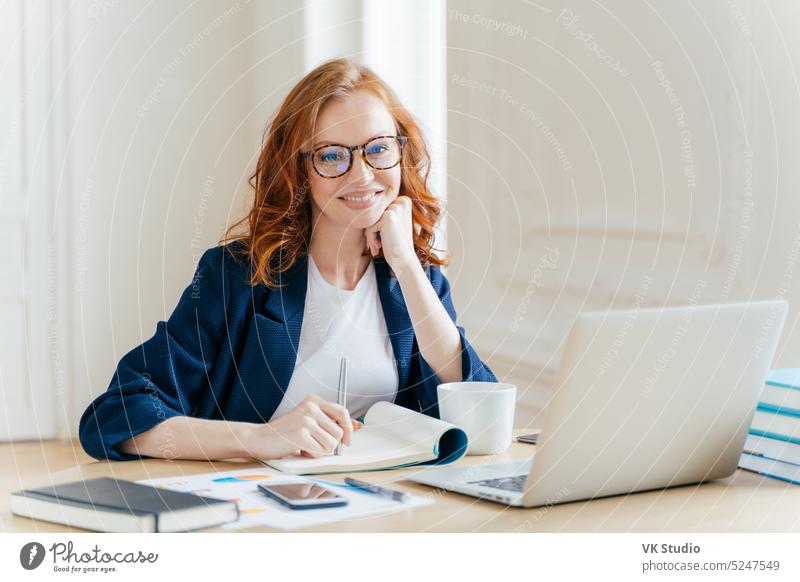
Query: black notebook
[{"x": 112, "y": 505}]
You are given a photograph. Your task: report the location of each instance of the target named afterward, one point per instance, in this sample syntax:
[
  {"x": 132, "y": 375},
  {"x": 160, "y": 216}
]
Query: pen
[
  {"x": 342, "y": 397},
  {"x": 378, "y": 490}
]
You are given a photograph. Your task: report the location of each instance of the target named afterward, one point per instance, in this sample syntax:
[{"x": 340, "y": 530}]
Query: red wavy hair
[{"x": 277, "y": 230}]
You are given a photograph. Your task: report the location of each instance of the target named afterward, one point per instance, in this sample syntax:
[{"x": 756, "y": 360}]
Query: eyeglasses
[{"x": 334, "y": 160}]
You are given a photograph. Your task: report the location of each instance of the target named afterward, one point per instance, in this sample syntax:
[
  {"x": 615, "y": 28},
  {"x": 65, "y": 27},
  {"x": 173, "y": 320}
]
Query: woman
[{"x": 335, "y": 259}]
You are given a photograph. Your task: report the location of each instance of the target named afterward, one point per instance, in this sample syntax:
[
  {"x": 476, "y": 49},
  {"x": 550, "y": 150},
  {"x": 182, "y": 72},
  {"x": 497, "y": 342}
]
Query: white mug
[{"x": 484, "y": 410}]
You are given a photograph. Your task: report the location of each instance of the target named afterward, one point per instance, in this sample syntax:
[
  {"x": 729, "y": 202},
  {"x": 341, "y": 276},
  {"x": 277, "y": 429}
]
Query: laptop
[{"x": 644, "y": 399}]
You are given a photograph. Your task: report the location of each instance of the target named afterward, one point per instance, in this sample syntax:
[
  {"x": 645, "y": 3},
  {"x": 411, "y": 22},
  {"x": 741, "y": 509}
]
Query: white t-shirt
[{"x": 336, "y": 323}]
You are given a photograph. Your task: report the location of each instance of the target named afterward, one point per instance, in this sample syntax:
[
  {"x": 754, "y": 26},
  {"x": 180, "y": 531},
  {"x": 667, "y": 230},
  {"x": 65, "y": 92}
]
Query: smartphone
[{"x": 304, "y": 495}]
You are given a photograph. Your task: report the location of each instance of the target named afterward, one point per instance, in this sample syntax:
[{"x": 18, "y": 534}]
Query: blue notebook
[
  {"x": 770, "y": 468},
  {"x": 779, "y": 449},
  {"x": 782, "y": 389},
  {"x": 776, "y": 423}
]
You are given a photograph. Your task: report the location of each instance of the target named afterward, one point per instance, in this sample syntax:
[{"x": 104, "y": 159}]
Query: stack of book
[{"x": 772, "y": 447}]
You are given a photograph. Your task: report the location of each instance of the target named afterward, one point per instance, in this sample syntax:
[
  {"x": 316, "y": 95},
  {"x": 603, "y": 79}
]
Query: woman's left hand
[{"x": 393, "y": 233}]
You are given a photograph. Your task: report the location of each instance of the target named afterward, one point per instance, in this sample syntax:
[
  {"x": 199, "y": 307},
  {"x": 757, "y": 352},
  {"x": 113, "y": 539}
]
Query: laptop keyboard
[{"x": 515, "y": 483}]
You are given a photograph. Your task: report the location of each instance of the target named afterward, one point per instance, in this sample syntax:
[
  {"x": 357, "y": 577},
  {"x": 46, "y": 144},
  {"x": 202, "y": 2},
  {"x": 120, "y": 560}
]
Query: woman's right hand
[{"x": 312, "y": 429}]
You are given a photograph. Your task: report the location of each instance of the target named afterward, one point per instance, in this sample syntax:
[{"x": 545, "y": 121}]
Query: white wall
[
  {"x": 618, "y": 154},
  {"x": 27, "y": 297},
  {"x": 165, "y": 105}
]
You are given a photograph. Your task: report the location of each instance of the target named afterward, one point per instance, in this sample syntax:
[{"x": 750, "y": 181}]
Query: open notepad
[{"x": 392, "y": 436}]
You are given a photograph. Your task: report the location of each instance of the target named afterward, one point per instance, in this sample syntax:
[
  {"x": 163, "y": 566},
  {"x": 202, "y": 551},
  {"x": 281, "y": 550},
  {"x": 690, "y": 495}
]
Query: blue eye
[
  {"x": 331, "y": 156},
  {"x": 378, "y": 149}
]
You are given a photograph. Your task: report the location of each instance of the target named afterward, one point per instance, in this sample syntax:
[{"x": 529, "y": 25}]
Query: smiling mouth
[{"x": 363, "y": 198}]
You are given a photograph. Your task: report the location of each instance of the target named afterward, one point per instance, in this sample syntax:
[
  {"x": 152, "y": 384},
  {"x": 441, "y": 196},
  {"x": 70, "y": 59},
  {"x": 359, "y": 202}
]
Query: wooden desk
[{"x": 743, "y": 503}]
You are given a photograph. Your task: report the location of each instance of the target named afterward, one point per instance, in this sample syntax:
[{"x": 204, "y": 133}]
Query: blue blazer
[{"x": 228, "y": 352}]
